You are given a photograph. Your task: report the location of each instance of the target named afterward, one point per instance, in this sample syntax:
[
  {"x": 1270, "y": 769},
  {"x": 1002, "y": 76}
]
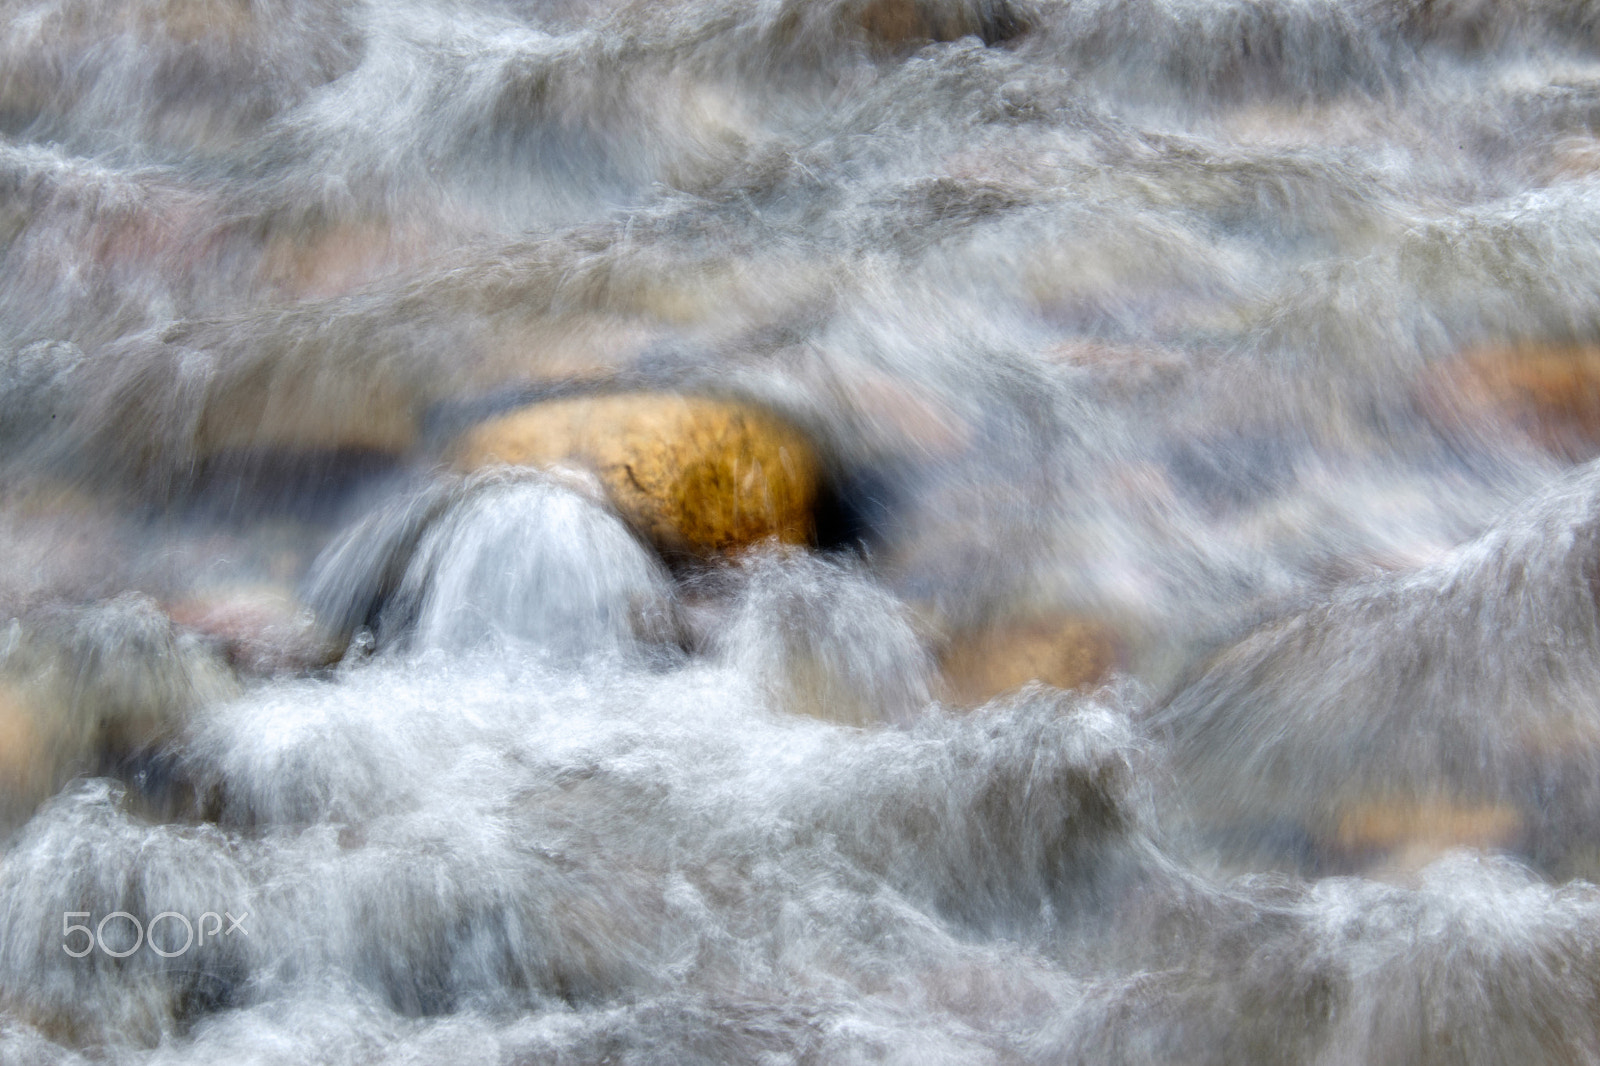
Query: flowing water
[{"x": 1259, "y": 339}]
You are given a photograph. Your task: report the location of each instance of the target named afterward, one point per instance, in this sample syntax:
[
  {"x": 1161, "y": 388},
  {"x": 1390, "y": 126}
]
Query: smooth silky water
[{"x": 1224, "y": 329}]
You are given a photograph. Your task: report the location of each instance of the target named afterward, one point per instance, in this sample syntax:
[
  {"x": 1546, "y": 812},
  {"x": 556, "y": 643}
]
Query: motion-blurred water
[{"x": 1255, "y": 344}]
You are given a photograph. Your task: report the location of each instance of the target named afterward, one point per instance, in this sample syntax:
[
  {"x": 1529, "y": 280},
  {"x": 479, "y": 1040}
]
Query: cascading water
[
  {"x": 799, "y": 531},
  {"x": 498, "y": 563}
]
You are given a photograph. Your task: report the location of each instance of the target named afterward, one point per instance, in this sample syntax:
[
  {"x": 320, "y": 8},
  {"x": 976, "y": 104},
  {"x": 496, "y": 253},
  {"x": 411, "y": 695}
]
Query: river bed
[{"x": 1129, "y": 591}]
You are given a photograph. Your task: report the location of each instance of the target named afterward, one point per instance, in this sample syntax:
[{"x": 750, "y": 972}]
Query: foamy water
[{"x": 1179, "y": 319}]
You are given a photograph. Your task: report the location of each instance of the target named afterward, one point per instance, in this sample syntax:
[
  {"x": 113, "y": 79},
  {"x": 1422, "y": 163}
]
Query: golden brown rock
[
  {"x": 894, "y": 22},
  {"x": 1397, "y": 836},
  {"x": 691, "y": 474},
  {"x": 1436, "y": 822},
  {"x": 1061, "y": 650},
  {"x": 22, "y": 755},
  {"x": 898, "y": 25},
  {"x": 1548, "y": 392}
]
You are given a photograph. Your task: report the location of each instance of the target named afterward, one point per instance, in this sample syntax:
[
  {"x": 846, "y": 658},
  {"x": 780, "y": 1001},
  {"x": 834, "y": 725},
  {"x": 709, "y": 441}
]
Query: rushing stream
[{"x": 799, "y": 531}]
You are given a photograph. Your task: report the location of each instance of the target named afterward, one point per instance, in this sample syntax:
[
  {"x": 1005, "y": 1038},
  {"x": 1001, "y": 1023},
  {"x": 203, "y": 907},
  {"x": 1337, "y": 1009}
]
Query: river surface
[{"x": 1259, "y": 340}]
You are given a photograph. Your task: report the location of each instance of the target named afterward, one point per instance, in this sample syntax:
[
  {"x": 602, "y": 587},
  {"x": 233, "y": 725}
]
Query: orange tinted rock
[
  {"x": 898, "y": 25},
  {"x": 1060, "y": 650},
  {"x": 23, "y": 758},
  {"x": 1402, "y": 835},
  {"x": 1549, "y": 392},
  {"x": 691, "y": 474},
  {"x": 1388, "y": 824},
  {"x": 894, "y": 22}
]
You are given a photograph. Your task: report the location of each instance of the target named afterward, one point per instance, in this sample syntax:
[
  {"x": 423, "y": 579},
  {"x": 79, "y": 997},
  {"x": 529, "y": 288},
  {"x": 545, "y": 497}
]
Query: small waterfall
[
  {"x": 538, "y": 564},
  {"x": 497, "y": 562}
]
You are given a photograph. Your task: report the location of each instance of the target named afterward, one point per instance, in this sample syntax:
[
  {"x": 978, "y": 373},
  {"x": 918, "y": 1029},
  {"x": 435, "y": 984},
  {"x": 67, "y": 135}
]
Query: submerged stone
[
  {"x": 1408, "y": 833},
  {"x": 820, "y": 637},
  {"x": 85, "y": 689},
  {"x": 262, "y": 631},
  {"x": 1450, "y": 705},
  {"x": 1548, "y": 393},
  {"x": 901, "y": 25},
  {"x": 1061, "y": 650}
]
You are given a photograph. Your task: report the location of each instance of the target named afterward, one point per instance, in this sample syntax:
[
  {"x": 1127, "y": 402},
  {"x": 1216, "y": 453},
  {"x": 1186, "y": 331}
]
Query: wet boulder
[
  {"x": 901, "y": 25},
  {"x": 1453, "y": 705},
  {"x": 1408, "y": 833},
  {"x": 277, "y": 396},
  {"x": 1546, "y": 393},
  {"x": 1062, "y": 650},
  {"x": 821, "y": 637},
  {"x": 20, "y": 742},
  {"x": 260, "y": 630},
  {"x": 89, "y": 690},
  {"x": 695, "y": 476},
  {"x": 323, "y": 408},
  {"x": 220, "y": 69}
]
